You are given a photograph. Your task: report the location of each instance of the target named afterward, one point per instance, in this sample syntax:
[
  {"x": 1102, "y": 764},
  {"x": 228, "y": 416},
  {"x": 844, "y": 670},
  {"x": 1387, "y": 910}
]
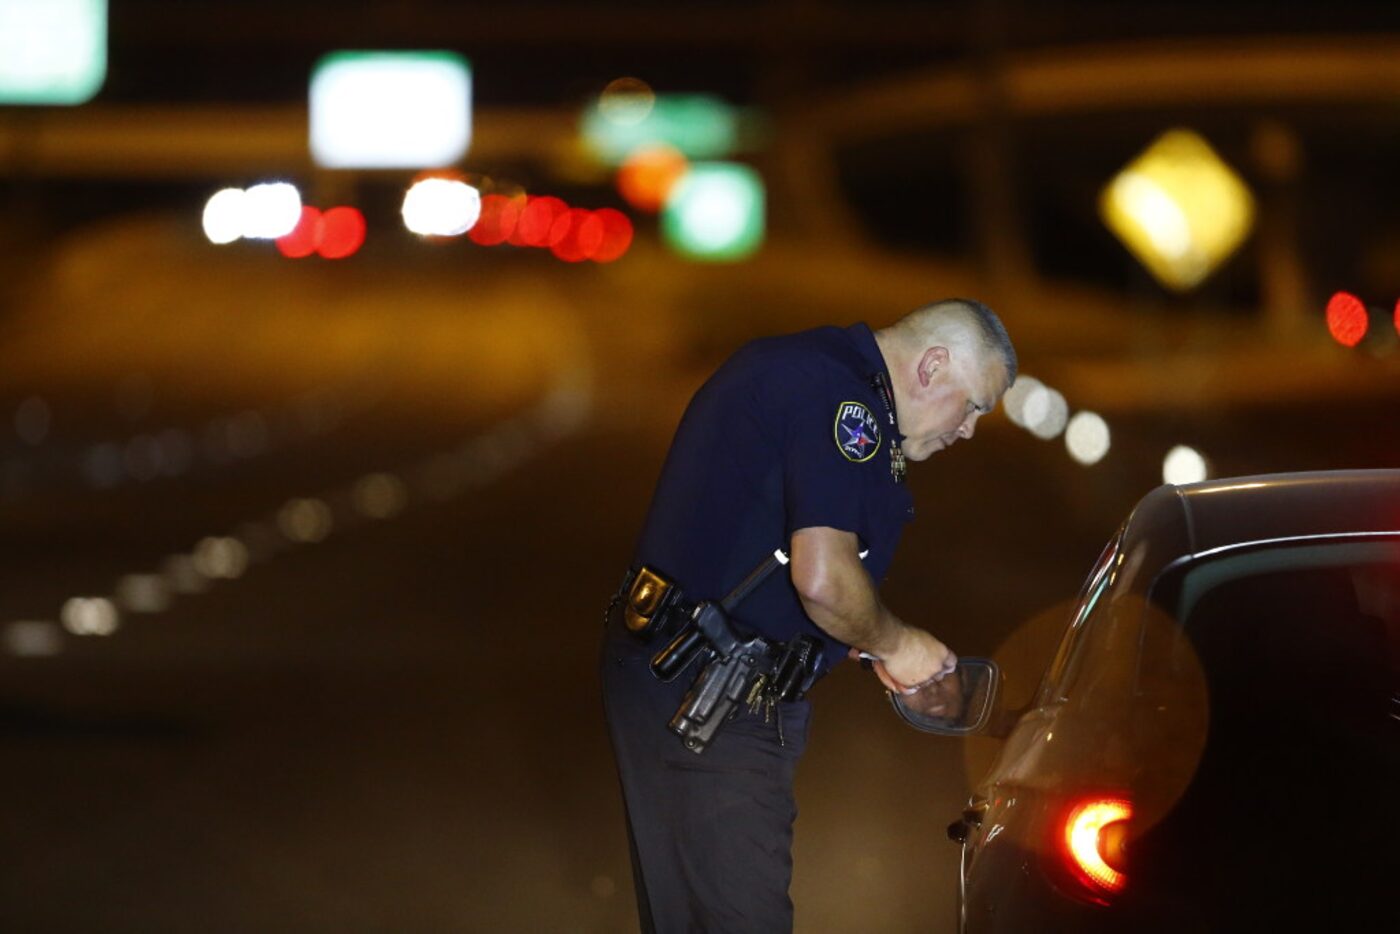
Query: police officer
[{"x": 799, "y": 444}]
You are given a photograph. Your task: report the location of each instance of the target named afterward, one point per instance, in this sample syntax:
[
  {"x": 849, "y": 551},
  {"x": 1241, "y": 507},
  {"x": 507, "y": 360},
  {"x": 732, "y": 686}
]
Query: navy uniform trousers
[{"x": 711, "y": 834}]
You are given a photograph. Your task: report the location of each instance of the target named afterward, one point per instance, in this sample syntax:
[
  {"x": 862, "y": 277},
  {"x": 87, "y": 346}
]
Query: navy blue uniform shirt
[{"x": 789, "y": 433}]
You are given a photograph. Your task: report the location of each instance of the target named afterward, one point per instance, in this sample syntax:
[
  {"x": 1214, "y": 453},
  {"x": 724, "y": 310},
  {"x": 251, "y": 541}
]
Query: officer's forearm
[{"x": 838, "y": 594}]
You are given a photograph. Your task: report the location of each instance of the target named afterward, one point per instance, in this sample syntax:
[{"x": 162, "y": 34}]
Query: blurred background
[{"x": 341, "y": 343}]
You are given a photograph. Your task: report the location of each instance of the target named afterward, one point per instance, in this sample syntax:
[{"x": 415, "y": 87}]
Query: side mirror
[{"x": 960, "y": 704}]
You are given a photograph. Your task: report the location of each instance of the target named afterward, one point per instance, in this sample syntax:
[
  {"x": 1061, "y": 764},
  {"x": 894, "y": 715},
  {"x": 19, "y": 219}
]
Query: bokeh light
[
  {"x": 390, "y": 109},
  {"x": 617, "y": 235},
  {"x": 499, "y": 215},
  {"x": 1397, "y": 316},
  {"x": 271, "y": 210},
  {"x": 304, "y": 237},
  {"x": 1014, "y": 402},
  {"x": 648, "y": 176},
  {"x": 342, "y": 233},
  {"x": 143, "y": 593},
  {"x": 716, "y": 212},
  {"x": 583, "y": 237},
  {"x": 537, "y": 220},
  {"x": 89, "y": 616},
  {"x": 626, "y": 101},
  {"x": 220, "y": 557},
  {"x": 699, "y": 125},
  {"x": 33, "y": 638},
  {"x": 1046, "y": 412},
  {"x": 223, "y": 215},
  {"x": 1179, "y": 208},
  {"x": 1347, "y": 319},
  {"x": 379, "y": 495},
  {"x": 1184, "y": 465},
  {"x": 1087, "y": 437},
  {"x": 305, "y": 520},
  {"x": 441, "y": 207},
  {"x": 52, "y": 51}
]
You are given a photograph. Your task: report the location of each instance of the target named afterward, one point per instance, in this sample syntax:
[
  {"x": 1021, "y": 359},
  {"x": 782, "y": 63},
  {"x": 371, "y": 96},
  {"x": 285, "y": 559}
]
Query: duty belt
[{"x": 735, "y": 668}]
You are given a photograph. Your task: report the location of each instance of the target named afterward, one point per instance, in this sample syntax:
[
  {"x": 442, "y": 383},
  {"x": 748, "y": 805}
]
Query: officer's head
[{"x": 950, "y": 362}]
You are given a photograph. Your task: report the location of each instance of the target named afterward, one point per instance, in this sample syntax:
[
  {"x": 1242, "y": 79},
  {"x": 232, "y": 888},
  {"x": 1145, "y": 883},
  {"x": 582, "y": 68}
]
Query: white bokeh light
[
  {"x": 33, "y": 638},
  {"x": 271, "y": 210},
  {"x": 1184, "y": 465},
  {"x": 390, "y": 109},
  {"x": 441, "y": 207},
  {"x": 1014, "y": 402},
  {"x": 1046, "y": 413},
  {"x": 89, "y": 616},
  {"x": 224, "y": 215},
  {"x": 1087, "y": 437}
]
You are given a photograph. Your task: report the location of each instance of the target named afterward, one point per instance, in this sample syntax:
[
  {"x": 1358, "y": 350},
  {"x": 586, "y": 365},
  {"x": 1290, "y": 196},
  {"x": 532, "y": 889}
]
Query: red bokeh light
[
  {"x": 499, "y": 216},
  {"x": 1397, "y": 316},
  {"x": 537, "y": 221},
  {"x": 561, "y": 228},
  {"x": 1346, "y": 319},
  {"x": 617, "y": 235},
  {"x": 583, "y": 234},
  {"x": 342, "y": 233},
  {"x": 305, "y": 236}
]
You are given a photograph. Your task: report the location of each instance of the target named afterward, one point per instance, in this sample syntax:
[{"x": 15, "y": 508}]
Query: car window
[
  {"x": 1295, "y": 649},
  {"x": 1061, "y": 671},
  {"x": 1308, "y": 634}
]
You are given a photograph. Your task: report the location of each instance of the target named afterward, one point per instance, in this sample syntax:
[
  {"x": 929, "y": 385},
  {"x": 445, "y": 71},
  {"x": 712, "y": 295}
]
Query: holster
[{"x": 736, "y": 671}]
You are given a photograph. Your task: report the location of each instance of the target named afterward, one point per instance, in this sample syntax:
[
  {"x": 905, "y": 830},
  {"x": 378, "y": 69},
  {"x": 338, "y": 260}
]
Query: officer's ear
[{"x": 933, "y": 359}]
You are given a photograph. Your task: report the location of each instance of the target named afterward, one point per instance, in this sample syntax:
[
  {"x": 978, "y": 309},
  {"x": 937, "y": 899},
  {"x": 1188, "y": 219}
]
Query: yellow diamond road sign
[{"x": 1179, "y": 208}]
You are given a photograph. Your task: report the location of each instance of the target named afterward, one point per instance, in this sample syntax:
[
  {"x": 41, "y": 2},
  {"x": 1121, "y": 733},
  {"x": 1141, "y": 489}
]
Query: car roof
[{"x": 1173, "y": 522}]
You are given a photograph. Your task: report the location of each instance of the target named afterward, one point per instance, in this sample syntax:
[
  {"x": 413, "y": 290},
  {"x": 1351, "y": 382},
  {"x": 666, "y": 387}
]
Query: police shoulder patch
[{"x": 857, "y": 432}]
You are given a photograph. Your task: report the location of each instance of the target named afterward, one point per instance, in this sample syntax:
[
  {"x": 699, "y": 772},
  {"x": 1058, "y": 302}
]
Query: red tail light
[{"x": 1093, "y": 840}]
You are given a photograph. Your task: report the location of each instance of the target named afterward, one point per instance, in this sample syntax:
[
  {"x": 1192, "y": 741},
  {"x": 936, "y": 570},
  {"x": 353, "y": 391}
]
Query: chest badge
[{"x": 857, "y": 432}]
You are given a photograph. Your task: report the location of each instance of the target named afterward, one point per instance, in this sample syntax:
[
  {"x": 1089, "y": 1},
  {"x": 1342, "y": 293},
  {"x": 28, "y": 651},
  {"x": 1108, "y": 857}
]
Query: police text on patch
[{"x": 857, "y": 432}]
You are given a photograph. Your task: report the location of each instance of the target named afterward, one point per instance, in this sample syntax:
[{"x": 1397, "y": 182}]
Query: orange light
[
  {"x": 1346, "y": 319},
  {"x": 342, "y": 233},
  {"x": 1095, "y": 833},
  {"x": 648, "y": 175},
  {"x": 304, "y": 237},
  {"x": 617, "y": 235}
]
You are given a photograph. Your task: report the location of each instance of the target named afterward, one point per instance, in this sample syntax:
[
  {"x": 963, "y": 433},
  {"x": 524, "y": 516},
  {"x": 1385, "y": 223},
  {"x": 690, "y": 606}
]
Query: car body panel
[{"x": 1105, "y": 723}]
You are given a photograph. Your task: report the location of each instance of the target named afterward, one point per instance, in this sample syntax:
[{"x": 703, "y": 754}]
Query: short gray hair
[{"x": 991, "y": 333}]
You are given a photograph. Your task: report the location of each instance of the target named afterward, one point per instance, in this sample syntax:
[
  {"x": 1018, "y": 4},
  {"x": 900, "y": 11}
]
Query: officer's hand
[{"x": 921, "y": 659}]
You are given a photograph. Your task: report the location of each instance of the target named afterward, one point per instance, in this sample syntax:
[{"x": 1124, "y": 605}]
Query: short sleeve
[{"x": 832, "y": 444}]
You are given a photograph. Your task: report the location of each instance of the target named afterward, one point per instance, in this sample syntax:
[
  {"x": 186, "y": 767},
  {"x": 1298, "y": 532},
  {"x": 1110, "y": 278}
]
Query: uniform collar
[{"x": 864, "y": 340}]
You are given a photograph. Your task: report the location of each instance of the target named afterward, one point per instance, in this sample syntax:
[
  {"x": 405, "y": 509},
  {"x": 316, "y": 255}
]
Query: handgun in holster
[{"x": 727, "y": 680}]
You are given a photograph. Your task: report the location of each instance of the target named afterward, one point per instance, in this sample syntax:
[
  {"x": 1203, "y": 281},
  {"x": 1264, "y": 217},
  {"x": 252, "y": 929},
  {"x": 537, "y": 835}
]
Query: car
[{"x": 1215, "y": 744}]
